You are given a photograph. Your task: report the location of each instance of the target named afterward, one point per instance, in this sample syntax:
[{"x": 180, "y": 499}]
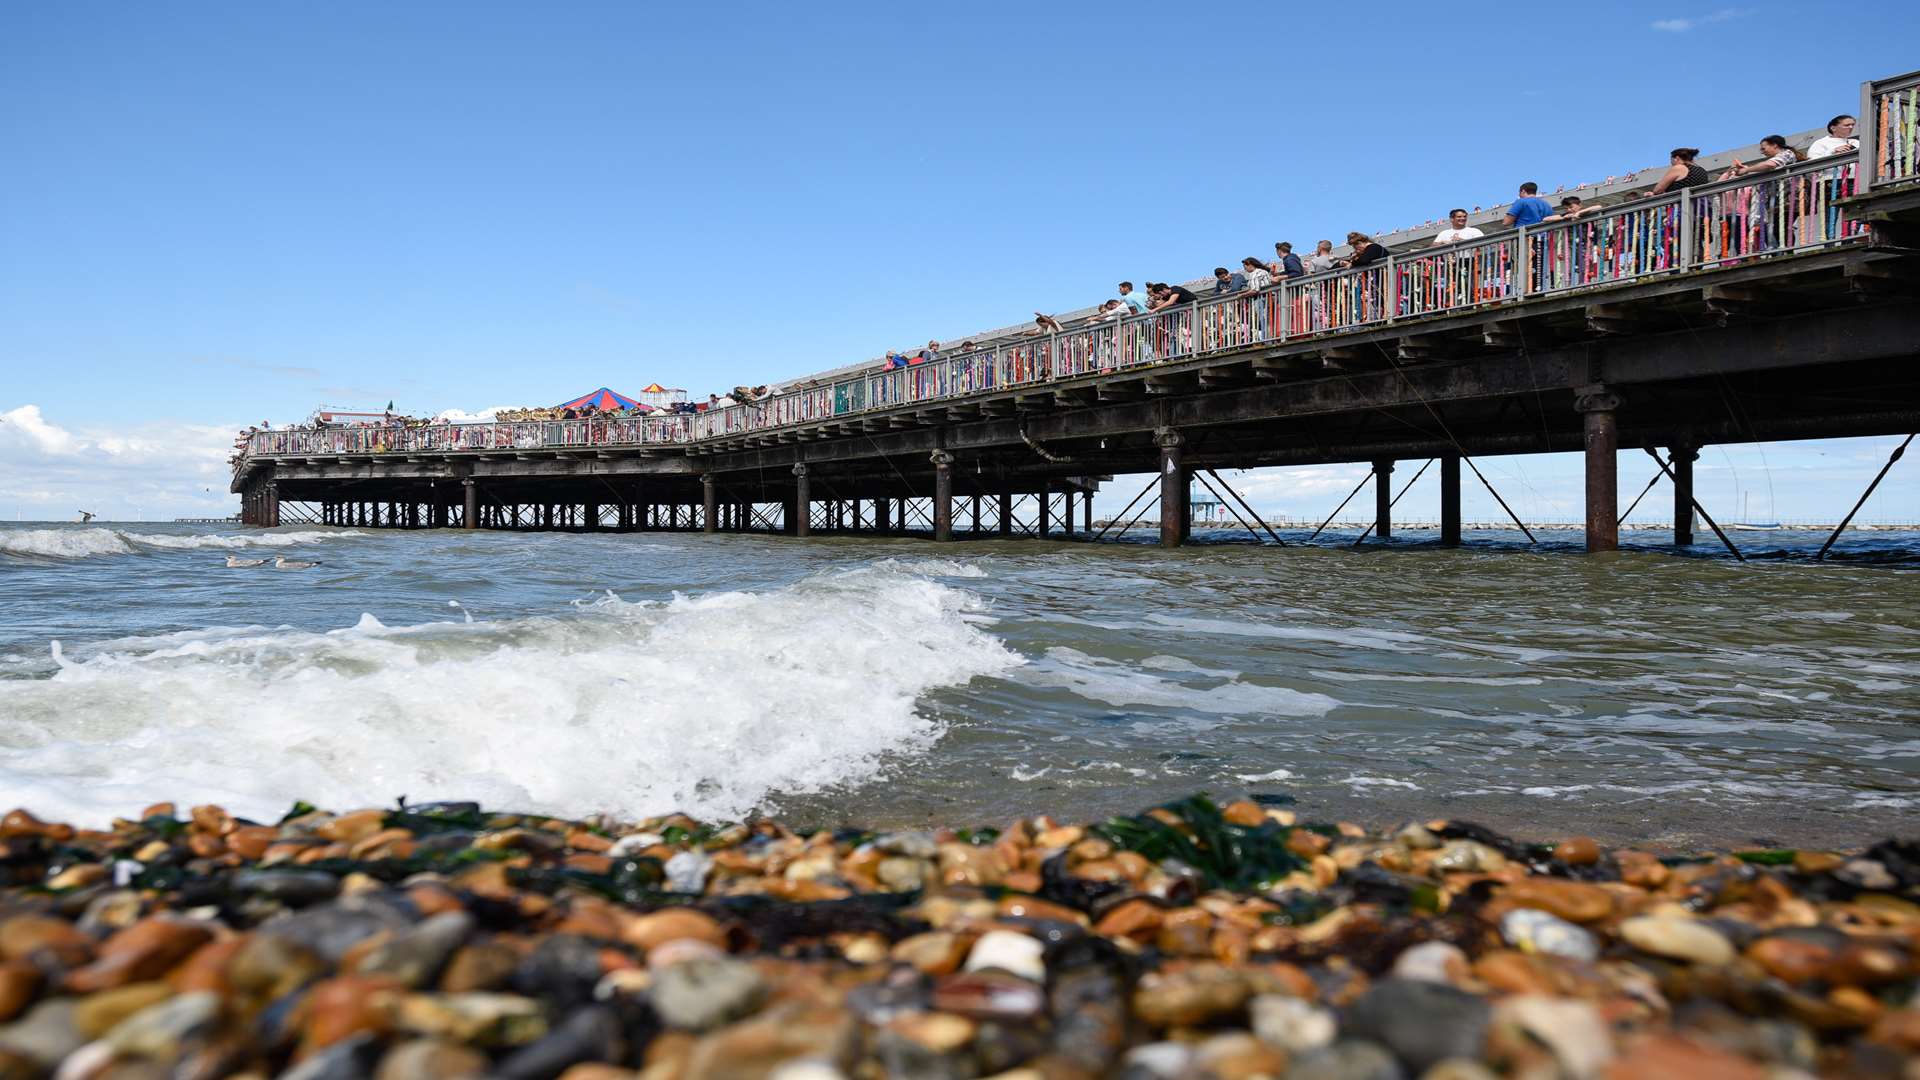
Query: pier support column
[
  {"x": 1683, "y": 458},
  {"x": 469, "y": 505},
  {"x": 709, "y": 503},
  {"x": 1383, "y": 498},
  {"x": 1176, "y": 520},
  {"x": 1449, "y": 500},
  {"x": 1597, "y": 403},
  {"x": 942, "y": 495},
  {"x": 1043, "y": 521},
  {"x": 1066, "y": 512},
  {"x": 976, "y": 514},
  {"x": 593, "y": 516},
  {"x": 273, "y": 504},
  {"x": 1006, "y": 513},
  {"x": 883, "y": 515},
  {"x": 802, "y": 523},
  {"x": 1086, "y": 513}
]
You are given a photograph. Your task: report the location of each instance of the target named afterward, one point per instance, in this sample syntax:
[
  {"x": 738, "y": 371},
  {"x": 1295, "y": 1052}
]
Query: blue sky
[{"x": 214, "y": 213}]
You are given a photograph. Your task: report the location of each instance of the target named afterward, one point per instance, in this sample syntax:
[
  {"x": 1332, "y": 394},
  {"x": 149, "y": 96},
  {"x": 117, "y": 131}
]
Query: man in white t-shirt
[
  {"x": 1838, "y": 139},
  {"x": 1459, "y": 230}
]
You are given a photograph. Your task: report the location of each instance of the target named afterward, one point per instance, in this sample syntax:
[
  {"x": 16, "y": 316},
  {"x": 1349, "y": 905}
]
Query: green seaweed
[
  {"x": 1775, "y": 857},
  {"x": 1224, "y": 854}
]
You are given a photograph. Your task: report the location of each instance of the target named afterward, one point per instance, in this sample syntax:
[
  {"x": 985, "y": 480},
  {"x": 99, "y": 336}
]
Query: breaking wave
[
  {"x": 89, "y": 543},
  {"x": 713, "y": 704}
]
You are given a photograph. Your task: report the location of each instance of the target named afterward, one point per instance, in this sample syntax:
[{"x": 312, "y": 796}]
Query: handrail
[
  {"x": 1890, "y": 145},
  {"x": 1702, "y": 228}
]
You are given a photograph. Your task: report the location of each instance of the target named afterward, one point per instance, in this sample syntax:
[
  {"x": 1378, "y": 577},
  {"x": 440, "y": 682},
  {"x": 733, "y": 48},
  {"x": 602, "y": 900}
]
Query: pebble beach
[{"x": 1192, "y": 940}]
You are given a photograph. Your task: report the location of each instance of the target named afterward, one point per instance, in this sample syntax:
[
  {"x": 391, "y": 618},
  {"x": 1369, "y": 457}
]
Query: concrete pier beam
[{"x": 1598, "y": 404}]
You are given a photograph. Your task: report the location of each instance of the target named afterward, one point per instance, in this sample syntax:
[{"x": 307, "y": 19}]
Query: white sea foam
[
  {"x": 1102, "y": 680},
  {"x": 707, "y": 704},
  {"x": 1277, "y": 774},
  {"x": 89, "y": 543}
]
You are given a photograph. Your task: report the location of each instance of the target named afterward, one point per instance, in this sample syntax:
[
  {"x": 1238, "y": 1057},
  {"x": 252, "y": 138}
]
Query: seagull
[
  {"x": 281, "y": 562},
  {"x": 235, "y": 562}
]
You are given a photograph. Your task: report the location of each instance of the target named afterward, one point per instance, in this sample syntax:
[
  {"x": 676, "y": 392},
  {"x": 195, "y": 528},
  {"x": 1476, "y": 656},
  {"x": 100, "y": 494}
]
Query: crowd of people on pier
[
  {"x": 1252, "y": 274},
  {"x": 1528, "y": 208}
]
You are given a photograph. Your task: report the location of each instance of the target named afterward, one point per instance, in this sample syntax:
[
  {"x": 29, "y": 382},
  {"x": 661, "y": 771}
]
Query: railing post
[
  {"x": 1685, "y": 259},
  {"x": 1869, "y": 130},
  {"x": 1523, "y": 259},
  {"x": 1392, "y": 290}
]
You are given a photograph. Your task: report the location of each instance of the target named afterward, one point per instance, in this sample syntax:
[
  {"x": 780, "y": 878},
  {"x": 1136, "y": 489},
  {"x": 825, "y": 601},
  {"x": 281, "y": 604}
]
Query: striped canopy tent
[{"x": 604, "y": 400}]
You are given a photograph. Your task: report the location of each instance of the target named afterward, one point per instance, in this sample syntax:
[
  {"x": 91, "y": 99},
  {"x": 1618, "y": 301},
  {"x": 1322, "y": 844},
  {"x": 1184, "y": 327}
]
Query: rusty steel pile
[{"x": 1192, "y": 940}]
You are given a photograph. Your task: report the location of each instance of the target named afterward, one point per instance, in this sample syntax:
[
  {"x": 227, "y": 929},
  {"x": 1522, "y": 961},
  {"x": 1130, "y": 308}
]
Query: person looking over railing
[
  {"x": 1285, "y": 263},
  {"x": 1778, "y": 156},
  {"x": 1681, "y": 172},
  {"x": 1365, "y": 251},
  {"x": 1839, "y": 138},
  {"x": 1134, "y": 298},
  {"x": 1529, "y": 208},
  {"x": 1044, "y": 324},
  {"x": 1257, "y": 275},
  {"x": 1226, "y": 284},
  {"x": 1322, "y": 258},
  {"x": 1571, "y": 209},
  {"x": 1457, "y": 230},
  {"x": 1111, "y": 310},
  {"x": 1166, "y": 296}
]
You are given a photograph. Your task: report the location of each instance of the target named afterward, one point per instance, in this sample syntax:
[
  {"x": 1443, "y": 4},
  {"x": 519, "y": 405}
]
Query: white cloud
[
  {"x": 156, "y": 469},
  {"x": 1681, "y": 26}
]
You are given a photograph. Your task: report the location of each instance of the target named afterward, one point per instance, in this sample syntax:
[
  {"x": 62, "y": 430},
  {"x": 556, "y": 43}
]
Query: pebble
[
  {"x": 687, "y": 871},
  {"x": 1292, "y": 1024},
  {"x": 158, "y": 1030},
  {"x": 431, "y": 1059},
  {"x": 1573, "y": 1030},
  {"x": 673, "y": 924},
  {"x": 1534, "y": 931},
  {"x": 1431, "y": 961},
  {"x": 1677, "y": 939},
  {"x": 1349, "y": 1059},
  {"x": 1422, "y": 1023},
  {"x": 704, "y": 993},
  {"x": 1015, "y": 954}
]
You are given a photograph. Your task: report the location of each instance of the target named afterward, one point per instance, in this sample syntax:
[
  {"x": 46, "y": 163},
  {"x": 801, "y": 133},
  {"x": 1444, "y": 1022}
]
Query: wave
[
  {"x": 712, "y": 704},
  {"x": 92, "y": 542}
]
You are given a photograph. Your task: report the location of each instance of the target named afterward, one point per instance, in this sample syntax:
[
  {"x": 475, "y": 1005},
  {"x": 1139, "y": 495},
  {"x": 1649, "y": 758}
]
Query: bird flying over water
[
  {"x": 237, "y": 563},
  {"x": 281, "y": 562}
]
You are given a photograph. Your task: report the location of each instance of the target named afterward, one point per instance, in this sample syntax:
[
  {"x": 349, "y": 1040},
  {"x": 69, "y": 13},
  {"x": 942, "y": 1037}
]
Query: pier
[{"x": 1770, "y": 307}]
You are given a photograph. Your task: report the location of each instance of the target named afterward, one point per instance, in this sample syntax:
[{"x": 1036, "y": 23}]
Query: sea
[{"x": 1645, "y": 696}]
